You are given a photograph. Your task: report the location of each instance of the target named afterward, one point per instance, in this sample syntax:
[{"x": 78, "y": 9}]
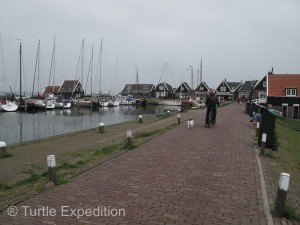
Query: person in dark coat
[{"x": 211, "y": 104}]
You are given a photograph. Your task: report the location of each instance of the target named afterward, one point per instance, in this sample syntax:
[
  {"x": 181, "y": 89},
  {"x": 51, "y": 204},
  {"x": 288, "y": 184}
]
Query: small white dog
[{"x": 190, "y": 123}]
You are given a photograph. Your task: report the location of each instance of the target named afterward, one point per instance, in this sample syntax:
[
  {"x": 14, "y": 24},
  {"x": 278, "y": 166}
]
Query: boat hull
[{"x": 8, "y": 107}]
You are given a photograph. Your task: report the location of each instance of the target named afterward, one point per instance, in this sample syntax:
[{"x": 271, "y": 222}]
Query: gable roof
[
  {"x": 51, "y": 89},
  {"x": 203, "y": 84},
  {"x": 277, "y": 83},
  {"x": 259, "y": 85},
  {"x": 247, "y": 86},
  {"x": 167, "y": 86},
  {"x": 68, "y": 86},
  {"x": 234, "y": 86},
  {"x": 185, "y": 86}
]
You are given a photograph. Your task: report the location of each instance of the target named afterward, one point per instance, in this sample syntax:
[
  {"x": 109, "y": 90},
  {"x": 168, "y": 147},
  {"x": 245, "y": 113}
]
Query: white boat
[
  {"x": 8, "y": 106},
  {"x": 62, "y": 105},
  {"x": 103, "y": 103},
  {"x": 126, "y": 100},
  {"x": 170, "y": 102},
  {"x": 39, "y": 104},
  {"x": 50, "y": 104},
  {"x": 112, "y": 103}
]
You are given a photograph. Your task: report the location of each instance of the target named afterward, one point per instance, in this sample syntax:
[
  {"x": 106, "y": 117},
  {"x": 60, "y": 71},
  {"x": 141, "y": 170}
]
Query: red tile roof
[
  {"x": 49, "y": 89},
  {"x": 277, "y": 83}
]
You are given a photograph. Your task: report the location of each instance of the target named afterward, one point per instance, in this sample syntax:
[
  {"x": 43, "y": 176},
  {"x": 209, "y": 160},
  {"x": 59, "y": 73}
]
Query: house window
[
  {"x": 290, "y": 92},
  {"x": 223, "y": 89},
  {"x": 161, "y": 87},
  {"x": 265, "y": 84},
  {"x": 201, "y": 88}
]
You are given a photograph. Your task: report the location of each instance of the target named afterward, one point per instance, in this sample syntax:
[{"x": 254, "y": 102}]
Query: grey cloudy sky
[{"x": 237, "y": 39}]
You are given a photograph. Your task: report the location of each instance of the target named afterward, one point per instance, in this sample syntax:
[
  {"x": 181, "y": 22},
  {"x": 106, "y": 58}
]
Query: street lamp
[{"x": 192, "y": 80}]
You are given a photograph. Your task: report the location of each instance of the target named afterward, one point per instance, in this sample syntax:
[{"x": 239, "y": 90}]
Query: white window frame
[
  {"x": 223, "y": 89},
  {"x": 291, "y": 92},
  {"x": 264, "y": 83}
]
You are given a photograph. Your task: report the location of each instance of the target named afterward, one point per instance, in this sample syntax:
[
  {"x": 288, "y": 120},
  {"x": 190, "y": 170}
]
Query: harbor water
[{"x": 17, "y": 127}]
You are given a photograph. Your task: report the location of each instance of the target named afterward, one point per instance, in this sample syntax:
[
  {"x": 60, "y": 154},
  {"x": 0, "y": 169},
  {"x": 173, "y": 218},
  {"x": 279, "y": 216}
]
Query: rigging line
[
  {"x": 3, "y": 65},
  {"x": 89, "y": 70},
  {"x": 81, "y": 49},
  {"x": 162, "y": 72},
  {"x": 52, "y": 63}
]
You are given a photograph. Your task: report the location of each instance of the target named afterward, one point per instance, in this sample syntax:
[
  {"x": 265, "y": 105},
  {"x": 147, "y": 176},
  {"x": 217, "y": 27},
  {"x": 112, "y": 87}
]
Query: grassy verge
[
  {"x": 69, "y": 165},
  {"x": 285, "y": 159}
]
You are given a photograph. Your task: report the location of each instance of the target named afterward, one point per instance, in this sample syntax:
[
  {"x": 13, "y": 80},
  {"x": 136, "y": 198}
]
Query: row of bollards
[{"x": 284, "y": 180}]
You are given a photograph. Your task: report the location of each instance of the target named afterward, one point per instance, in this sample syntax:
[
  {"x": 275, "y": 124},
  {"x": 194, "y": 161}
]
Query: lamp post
[{"x": 192, "y": 80}]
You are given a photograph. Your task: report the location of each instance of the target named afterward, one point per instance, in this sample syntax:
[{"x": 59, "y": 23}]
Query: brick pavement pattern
[{"x": 185, "y": 176}]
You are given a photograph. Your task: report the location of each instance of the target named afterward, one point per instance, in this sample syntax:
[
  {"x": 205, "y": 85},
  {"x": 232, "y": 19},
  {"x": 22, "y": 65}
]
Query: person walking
[{"x": 211, "y": 104}]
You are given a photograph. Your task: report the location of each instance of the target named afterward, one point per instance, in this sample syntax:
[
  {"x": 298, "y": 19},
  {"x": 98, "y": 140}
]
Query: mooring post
[
  {"x": 257, "y": 129},
  {"x": 3, "y": 152},
  {"x": 178, "y": 118},
  {"x": 101, "y": 127},
  {"x": 263, "y": 143},
  {"x": 129, "y": 140},
  {"x": 51, "y": 168},
  {"x": 283, "y": 186},
  {"x": 140, "y": 118}
]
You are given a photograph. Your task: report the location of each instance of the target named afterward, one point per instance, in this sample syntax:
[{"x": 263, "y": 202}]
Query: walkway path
[{"x": 185, "y": 176}]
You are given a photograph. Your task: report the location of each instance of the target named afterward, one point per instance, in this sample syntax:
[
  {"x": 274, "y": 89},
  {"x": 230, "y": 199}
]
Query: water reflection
[{"x": 18, "y": 127}]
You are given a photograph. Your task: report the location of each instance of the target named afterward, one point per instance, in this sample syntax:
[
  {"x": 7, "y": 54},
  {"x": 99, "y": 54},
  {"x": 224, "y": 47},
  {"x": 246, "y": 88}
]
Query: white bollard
[
  {"x": 129, "y": 136},
  {"x": 101, "y": 127},
  {"x": 257, "y": 129},
  {"x": 140, "y": 118},
  {"x": 178, "y": 118},
  {"x": 283, "y": 186},
  {"x": 51, "y": 168},
  {"x": 3, "y": 152},
  {"x": 263, "y": 143}
]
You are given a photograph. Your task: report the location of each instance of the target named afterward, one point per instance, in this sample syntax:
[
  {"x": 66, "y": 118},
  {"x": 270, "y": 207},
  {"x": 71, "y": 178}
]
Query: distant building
[
  {"x": 245, "y": 90},
  {"x": 260, "y": 89},
  {"x": 184, "y": 90},
  {"x": 201, "y": 91},
  {"x": 164, "y": 90},
  {"x": 228, "y": 90},
  {"x": 71, "y": 89},
  {"x": 51, "y": 90},
  {"x": 138, "y": 90}
]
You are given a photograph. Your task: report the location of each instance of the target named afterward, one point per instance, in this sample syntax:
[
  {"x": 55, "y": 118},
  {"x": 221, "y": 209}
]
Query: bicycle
[{"x": 211, "y": 118}]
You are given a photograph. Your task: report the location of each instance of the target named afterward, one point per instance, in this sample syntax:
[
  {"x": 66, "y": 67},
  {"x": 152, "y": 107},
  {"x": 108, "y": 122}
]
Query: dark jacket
[{"x": 212, "y": 101}]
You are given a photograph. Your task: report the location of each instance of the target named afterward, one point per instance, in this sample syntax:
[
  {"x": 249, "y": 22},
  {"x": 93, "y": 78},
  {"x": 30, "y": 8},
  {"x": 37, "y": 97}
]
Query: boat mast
[
  {"x": 36, "y": 66},
  {"x": 20, "y": 72},
  {"x": 52, "y": 66},
  {"x": 137, "y": 82},
  {"x": 100, "y": 58},
  {"x": 82, "y": 60}
]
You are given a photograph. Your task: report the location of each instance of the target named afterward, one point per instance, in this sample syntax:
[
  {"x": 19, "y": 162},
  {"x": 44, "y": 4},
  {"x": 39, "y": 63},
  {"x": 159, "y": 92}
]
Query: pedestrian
[{"x": 211, "y": 104}]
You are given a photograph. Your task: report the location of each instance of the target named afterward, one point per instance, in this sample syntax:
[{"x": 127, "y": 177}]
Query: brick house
[{"x": 283, "y": 91}]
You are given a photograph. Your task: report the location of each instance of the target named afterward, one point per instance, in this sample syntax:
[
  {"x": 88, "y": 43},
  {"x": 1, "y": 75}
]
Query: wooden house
[
  {"x": 51, "y": 90},
  {"x": 164, "y": 90},
  {"x": 228, "y": 90},
  {"x": 138, "y": 90},
  {"x": 184, "y": 90},
  {"x": 71, "y": 89},
  {"x": 201, "y": 91},
  {"x": 260, "y": 89}
]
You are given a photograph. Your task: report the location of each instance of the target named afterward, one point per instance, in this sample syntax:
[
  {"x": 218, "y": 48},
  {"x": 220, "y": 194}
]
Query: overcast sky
[{"x": 237, "y": 40}]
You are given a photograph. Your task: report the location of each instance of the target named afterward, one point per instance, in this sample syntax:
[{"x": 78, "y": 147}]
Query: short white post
[
  {"x": 101, "y": 127},
  {"x": 51, "y": 168},
  {"x": 140, "y": 118},
  {"x": 129, "y": 136},
  {"x": 263, "y": 143},
  {"x": 178, "y": 118},
  {"x": 3, "y": 152},
  {"x": 257, "y": 129},
  {"x": 283, "y": 186}
]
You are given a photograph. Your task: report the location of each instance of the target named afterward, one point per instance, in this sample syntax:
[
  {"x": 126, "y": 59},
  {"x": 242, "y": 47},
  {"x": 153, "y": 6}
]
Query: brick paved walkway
[{"x": 185, "y": 176}]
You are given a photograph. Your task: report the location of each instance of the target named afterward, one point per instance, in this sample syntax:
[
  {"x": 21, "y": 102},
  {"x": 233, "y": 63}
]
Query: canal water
[{"x": 17, "y": 127}]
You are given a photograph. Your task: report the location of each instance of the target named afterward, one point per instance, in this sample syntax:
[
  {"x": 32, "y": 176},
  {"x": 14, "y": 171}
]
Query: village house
[
  {"x": 51, "y": 90},
  {"x": 164, "y": 90},
  {"x": 201, "y": 91},
  {"x": 71, "y": 89},
  {"x": 260, "y": 89},
  {"x": 138, "y": 90},
  {"x": 246, "y": 90},
  {"x": 183, "y": 91},
  {"x": 228, "y": 91}
]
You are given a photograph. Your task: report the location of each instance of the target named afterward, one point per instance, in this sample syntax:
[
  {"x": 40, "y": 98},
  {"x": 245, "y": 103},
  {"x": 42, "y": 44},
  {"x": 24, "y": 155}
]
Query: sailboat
[{"x": 5, "y": 104}]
